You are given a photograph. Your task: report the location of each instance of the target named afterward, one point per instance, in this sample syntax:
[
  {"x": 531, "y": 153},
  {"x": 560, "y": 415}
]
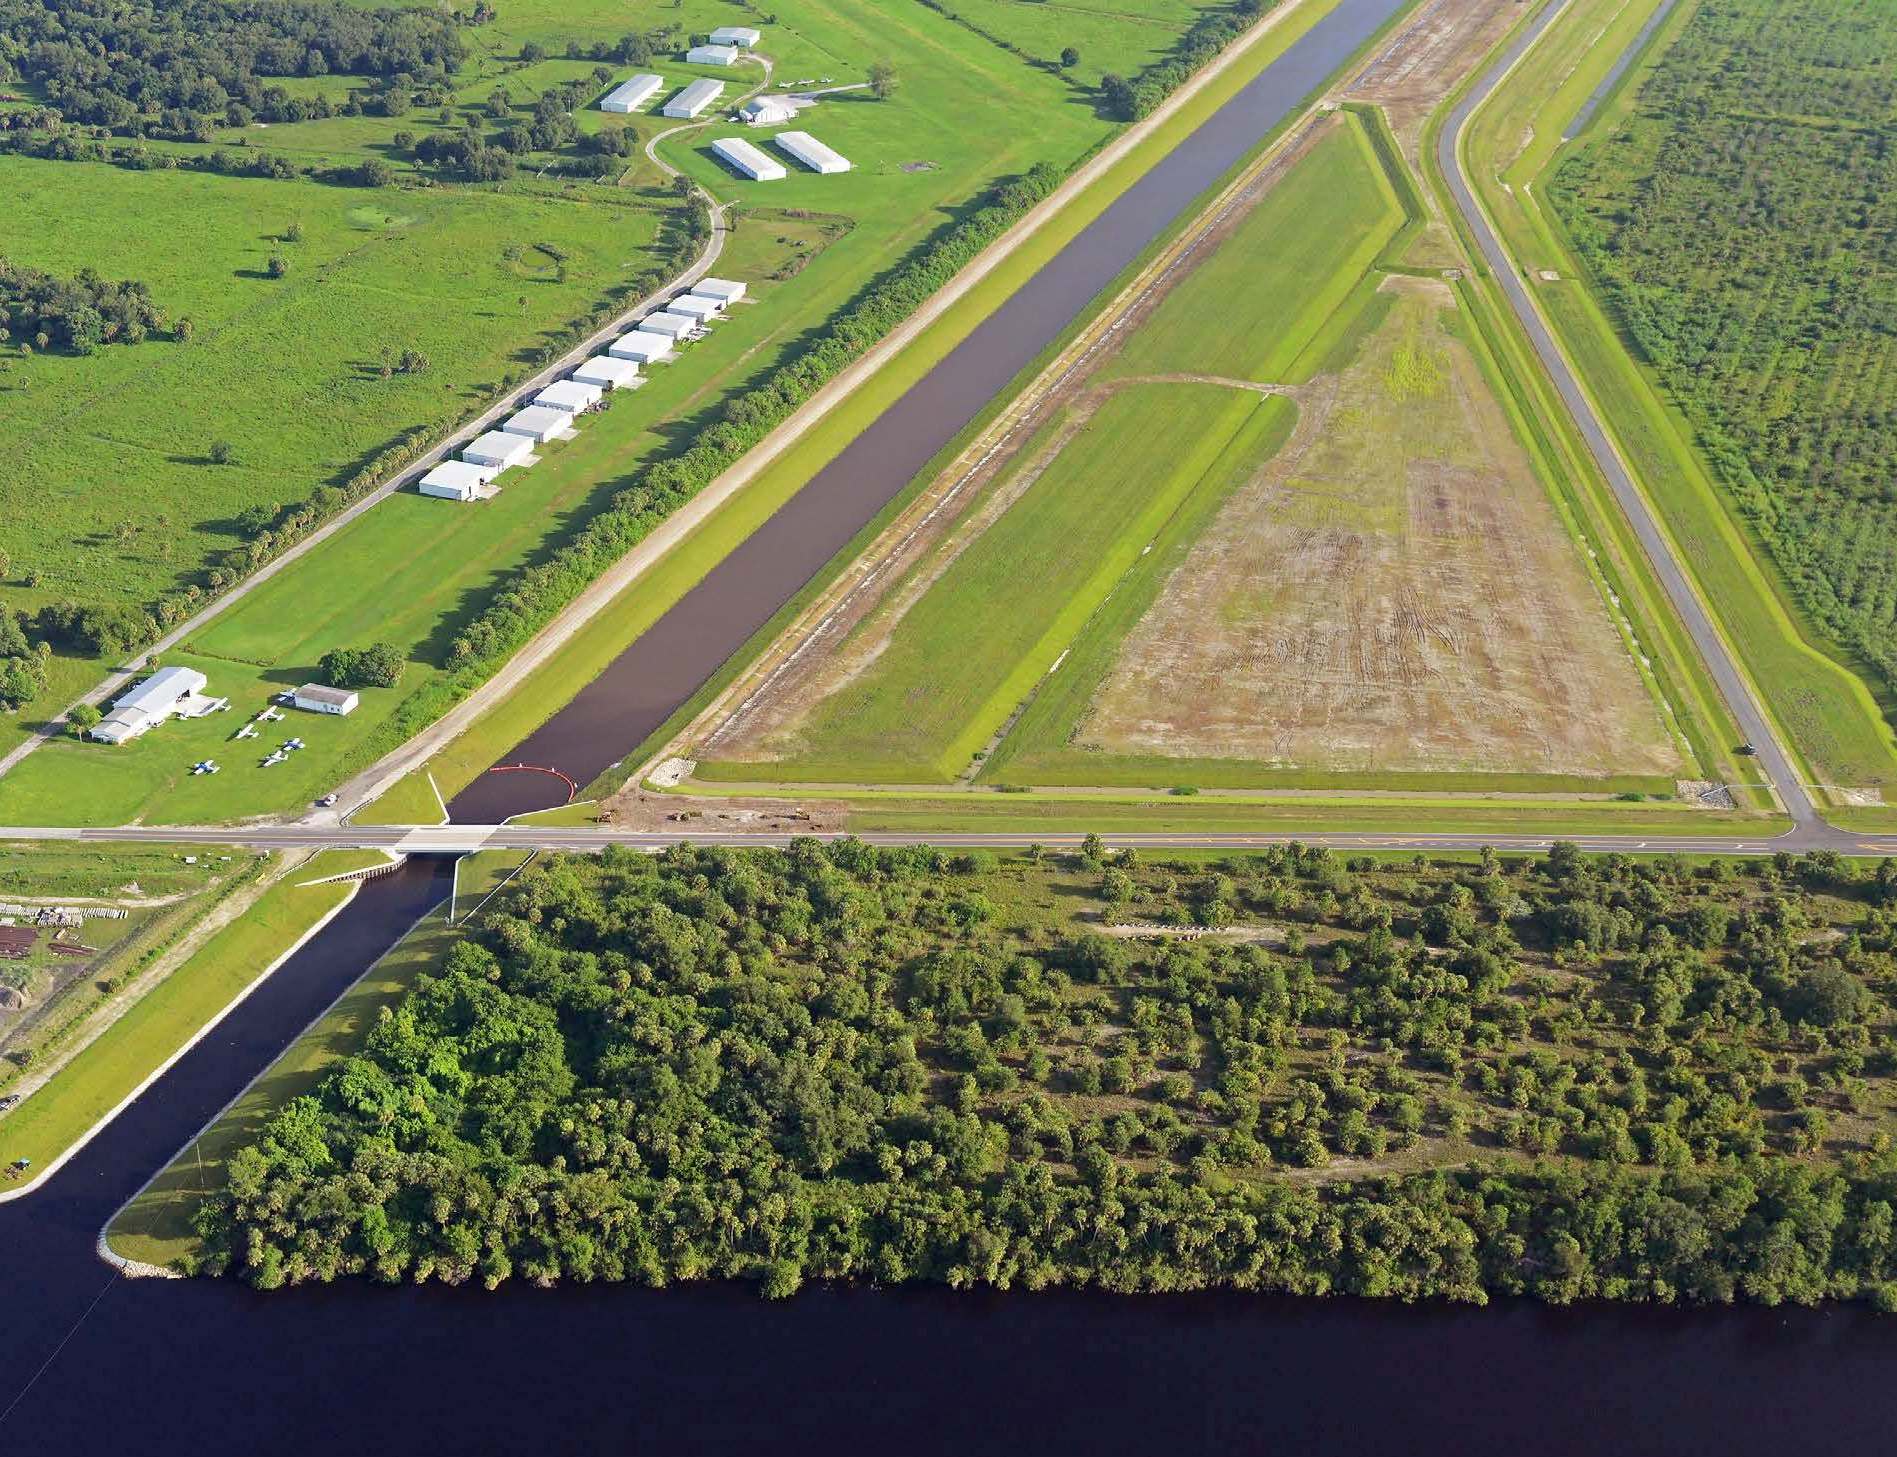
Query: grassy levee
[
  {"x": 161, "y": 1023},
  {"x": 411, "y": 800},
  {"x": 1666, "y": 653},
  {"x": 584, "y": 655},
  {"x": 155, "y": 1227},
  {"x": 1827, "y": 713}
]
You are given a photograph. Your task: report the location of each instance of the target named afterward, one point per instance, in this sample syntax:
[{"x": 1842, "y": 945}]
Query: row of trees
[
  {"x": 80, "y": 313},
  {"x": 22, "y": 663},
  {"x": 841, "y": 1062},
  {"x": 117, "y": 65},
  {"x": 1130, "y": 98},
  {"x": 377, "y": 666}
]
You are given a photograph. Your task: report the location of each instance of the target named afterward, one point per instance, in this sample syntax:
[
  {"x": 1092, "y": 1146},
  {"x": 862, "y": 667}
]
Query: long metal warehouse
[
  {"x": 741, "y": 156},
  {"x": 694, "y": 98},
  {"x": 607, "y": 372},
  {"x": 673, "y": 326},
  {"x": 633, "y": 94},
  {"x": 641, "y": 346},
  {"x": 811, "y": 152},
  {"x": 498, "y": 449}
]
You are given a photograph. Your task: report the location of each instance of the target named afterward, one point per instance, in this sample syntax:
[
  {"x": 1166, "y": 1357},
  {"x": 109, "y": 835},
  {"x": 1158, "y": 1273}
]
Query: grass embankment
[
  {"x": 584, "y": 655},
  {"x": 102, "y": 870},
  {"x": 155, "y": 1227},
  {"x": 1827, "y": 712},
  {"x": 50, "y": 1122}
]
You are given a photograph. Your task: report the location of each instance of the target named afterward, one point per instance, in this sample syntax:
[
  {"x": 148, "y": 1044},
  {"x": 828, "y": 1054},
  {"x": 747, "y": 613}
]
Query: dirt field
[{"x": 1392, "y": 592}]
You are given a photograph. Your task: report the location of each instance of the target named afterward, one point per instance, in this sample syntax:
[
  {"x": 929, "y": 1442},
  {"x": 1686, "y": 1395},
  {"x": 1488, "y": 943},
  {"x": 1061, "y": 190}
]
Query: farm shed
[
  {"x": 742, "y": 157},
  {"x": 694, "y": 98},
  {"x": 457, "y": 480},
  {"x": 608, "y": 372},
  {"x": 499, "y": 449},
  {"x": 721, "y": 288},
  {"x": 736, "y": 35},
  {"x": 321, "y": 698},
  {"x": 811, "y": 152},
  {"x": 570, "y": 395},
  {"x": 641, "y": 346},
  {"x": 767, "y": 111},
  {"x": 170, "y": 692},
  {"x": 632, "y": 94},
  {"x": 538, "y": 423},
  {"x": 695, "y": 307},
  {"x": 673, "y": 326},
  {"x": 712, "y": 55}
]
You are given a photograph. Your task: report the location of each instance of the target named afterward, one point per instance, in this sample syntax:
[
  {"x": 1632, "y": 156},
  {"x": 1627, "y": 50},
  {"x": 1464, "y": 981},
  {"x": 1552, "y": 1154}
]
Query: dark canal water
[{"x": 93, "y": 1363}]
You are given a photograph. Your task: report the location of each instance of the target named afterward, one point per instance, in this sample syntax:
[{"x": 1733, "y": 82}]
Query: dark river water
[{"x": 93, "y": 1363}]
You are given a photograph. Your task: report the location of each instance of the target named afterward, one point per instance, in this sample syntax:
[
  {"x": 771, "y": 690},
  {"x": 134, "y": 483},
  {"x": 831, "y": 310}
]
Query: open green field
[
  {"x": 156, "y": 1226},
  {"x": 101, "y": 870},
  {"x": 163, "y": 1020},
  {"x": 1826, "y": 710}
]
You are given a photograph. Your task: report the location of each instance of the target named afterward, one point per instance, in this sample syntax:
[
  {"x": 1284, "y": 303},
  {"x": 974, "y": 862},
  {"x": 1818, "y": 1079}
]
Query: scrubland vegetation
[{"x": 1563, "y": 1077}]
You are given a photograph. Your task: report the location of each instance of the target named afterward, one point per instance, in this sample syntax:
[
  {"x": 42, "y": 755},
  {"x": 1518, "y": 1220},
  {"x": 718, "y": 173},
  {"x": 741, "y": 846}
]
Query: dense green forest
[
  {"x": 1744, "y": 224},
  {"x": 127, "y": 66},
  {"x": 40, "y": 310},
  {"x": 1564, "y": 1077}
]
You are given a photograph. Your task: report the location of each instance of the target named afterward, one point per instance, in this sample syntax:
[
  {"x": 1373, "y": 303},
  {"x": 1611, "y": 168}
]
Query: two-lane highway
[{"x": 1667, "y": 567}]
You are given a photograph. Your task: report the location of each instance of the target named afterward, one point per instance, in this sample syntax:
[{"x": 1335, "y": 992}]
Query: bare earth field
[{"x": 1391, "y": 592}]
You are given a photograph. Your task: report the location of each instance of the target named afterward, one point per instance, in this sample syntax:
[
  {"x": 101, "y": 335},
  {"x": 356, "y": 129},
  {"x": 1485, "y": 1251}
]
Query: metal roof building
[
  {"x": 741, "y": 156},
  {"x": 608, "y": 372},
  {"x": 498, "y": 449},
  {"x": 539, "y": 422},
  {"x": 712, "y": 55},
  {"x": 632, "y": 94},
  {"x": 673, "y": 326},
  {"x": 694, "y": 98},
  {"x": 641, "y": 346},
  {"x": 457, "y": 480},
  {"x": 811, "y": 152},
  {"x": 321, "y": 698},
  {"x": 725, "y": 288},
  {"x": 168, "y": 691},
  {"x": 694, "y": 307},
  {"x": 570, "y": 395},
  {"x": 736, "y": 35}
]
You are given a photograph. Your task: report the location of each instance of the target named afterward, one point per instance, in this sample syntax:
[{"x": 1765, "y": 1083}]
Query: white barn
[
  {"x": 712, "y": 55},
  {"x": 641, "y": 346},
  {"x": 321, "y": 698},
  {"x": 720, "y": 288},
  {"x": 539, "y": 423},
  {"x": 694, "y": 307},
  {"x": 811, "y": 152},
  {"x": 633, "y": 94},
  {"x": 736, "y": 35},
  {"x": 499, "y": 449},
  {"x": 168, "y": 693},
  {"x": 570, "y": 395},
  {"x": 693, "y": 99},
  {"x": 673, "y": 326},
  {"x": 768, "y": 111},
  {"x": 739, "y": 155},
  {"x": 457, "y": 480},
  {"x": 608, "y": 372}
]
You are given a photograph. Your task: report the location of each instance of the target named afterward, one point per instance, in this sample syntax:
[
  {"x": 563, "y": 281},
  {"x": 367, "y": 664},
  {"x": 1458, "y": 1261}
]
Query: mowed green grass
[
  {"x": 1249, "y": 308},
  {"x": 964, "y": 655},
  {"x": 51, "y": 1120}
]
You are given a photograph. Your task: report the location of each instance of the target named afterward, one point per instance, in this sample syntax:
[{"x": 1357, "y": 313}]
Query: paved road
[
  {"x": 1672, "y": 575},
  {"x": 460, "y": 839}
]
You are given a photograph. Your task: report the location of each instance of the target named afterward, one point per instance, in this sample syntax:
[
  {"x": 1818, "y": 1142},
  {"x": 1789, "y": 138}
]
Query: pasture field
[
  {"x": 805, "y": 260},
  {"x": 1809, "y": 681},
  {"x": 1389, "y": 596}
]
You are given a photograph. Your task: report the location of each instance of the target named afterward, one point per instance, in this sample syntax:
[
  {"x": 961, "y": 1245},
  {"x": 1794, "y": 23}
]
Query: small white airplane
[
  {"x": 294, "y": 744},
  {"x": 204, "y": 766},
  {"x": 248, "y": 731},
  {"x": 276, "y": 757}
]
